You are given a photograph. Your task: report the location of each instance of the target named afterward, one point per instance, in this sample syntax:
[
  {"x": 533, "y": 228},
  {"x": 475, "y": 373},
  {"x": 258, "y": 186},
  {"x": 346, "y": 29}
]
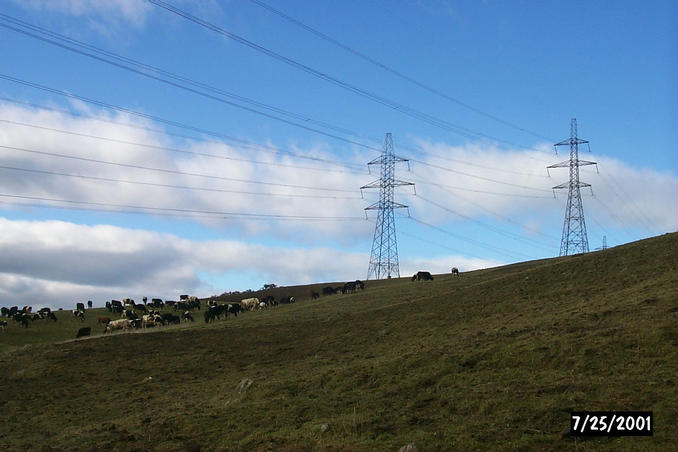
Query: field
[{"x": 491, "y": 360}]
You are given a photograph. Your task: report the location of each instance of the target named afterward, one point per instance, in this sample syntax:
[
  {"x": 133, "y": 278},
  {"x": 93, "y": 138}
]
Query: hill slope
[{"x": 493, "y": 359}]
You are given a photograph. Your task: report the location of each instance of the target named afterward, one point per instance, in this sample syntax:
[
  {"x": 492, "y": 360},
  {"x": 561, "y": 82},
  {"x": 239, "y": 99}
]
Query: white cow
[
  {"x": 121, "y": 324},
  {"x": 249, "y": 304}
]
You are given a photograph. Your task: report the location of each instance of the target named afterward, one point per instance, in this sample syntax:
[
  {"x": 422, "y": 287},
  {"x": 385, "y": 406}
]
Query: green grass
[{"x": 492, "y": 360}]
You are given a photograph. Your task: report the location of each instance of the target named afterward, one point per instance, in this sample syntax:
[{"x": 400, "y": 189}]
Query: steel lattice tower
[
  {"x": 384, "y": 256},
  {"x": 574, "y": 239}
]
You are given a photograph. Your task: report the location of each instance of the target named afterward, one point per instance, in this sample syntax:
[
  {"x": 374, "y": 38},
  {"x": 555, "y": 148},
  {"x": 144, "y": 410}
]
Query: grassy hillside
[{"x": 494, "y": 359}]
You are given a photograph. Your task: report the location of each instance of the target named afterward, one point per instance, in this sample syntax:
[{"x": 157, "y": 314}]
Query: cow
[
  {"x": 3, "y": 325},
  {"x": 315, "y": 295},
  {"x": 186, "y": 316},
  {"x": 84, "y": 331},
  {"x": 183, "y": 297},
  {"x": 328, "y": 290},
  {"x": 89, "y": 304},
  {"x": 171, "y": 318},
  {"x": 455, "y": 271},
  {"x": 103, "y": 320},
  {"x": 4, "y": 311},
  {"x": 287, "y": 300},
  {"x": 359, "y": 284},
  {"x": 129, "y": 314},
  {"x": 51, "y": 316},
  {"x": 141, "y": 308},
  {"x": 121, "y": 324},
  {"x": 234, "y": 309},
  {"x": 422, "y": 276},
  {"x": 80, "y": 306},
  {"x": 78, "y": 314},
  {"x": 348, "y": 287},
  {"x": 149, "y": 320},
  {"x": 157, "y": 303},
  {"x": 249, "y": 304}
]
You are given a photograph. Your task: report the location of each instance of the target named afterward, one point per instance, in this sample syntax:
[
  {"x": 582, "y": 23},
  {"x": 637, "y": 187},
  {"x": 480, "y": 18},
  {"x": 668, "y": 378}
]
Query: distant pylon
[
  {"x": 384, "y": 256},
  {"x": 574, "y": 239}
]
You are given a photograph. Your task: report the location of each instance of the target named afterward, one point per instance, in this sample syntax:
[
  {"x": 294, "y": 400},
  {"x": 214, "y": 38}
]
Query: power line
[
  {"x": 404, "y": 109},
  {"x": 246, "y": 143},
  {"x": 423, "y": 181},
  {"x": 182, "y": 187},
  {"x": 501, "y": 217},
  {"x": 477, "y": 177},
  {"x": 237, "y": 215},
  {"x": 166, "y": 148},
  {"x": 169, "y": 171},
  {"x": 485, "y": 225},
  {"x": 503, "y": 251},
  {"x": 176, "y": 84},
  {"x": 395, "y": 72}
]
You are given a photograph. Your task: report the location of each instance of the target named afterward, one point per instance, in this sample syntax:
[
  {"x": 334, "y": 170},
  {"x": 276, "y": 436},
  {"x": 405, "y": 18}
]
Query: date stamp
[{"x": 611, "y": 423}]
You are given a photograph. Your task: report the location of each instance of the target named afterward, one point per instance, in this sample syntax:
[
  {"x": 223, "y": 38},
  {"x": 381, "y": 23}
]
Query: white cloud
[{"x": 134, "y": 12}]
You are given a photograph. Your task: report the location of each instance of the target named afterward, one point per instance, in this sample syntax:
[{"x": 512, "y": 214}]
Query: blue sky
[{"x": 483, "y": 197}]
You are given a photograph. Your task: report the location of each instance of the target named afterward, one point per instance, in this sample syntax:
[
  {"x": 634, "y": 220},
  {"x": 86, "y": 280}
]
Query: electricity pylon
[
  {"x": 574, "y": 239},
  {"x": 384, "y": 256}
]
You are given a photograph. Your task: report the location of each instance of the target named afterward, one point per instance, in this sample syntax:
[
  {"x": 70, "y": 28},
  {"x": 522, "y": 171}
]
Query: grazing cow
[
  {"x": 314, "y": 295},
  {"x": 121, "y": 324},
  {"x": 422, "y": 276},
  {"x": 249, "y": 304},
  {"x": 186, "y": 316},
  {"x": 170, "y": 318},
  {"x": 80, "y": 306},
  {"x": 359, "y": 284},
  {"x": 455, "y": 271},
  {"x": 84, "y": 331},
  {"x": 78, "y": 314},
  {"x": 103, "y": 320},
  {"x": 328, "y": 290},
  {"x": 3, "y": 325},
  {"x": 234, "y": 309},
  {"x": 287, "y": 300},
  {"x": 51, "y": 316},
  {"x": 348, "y": 287}
]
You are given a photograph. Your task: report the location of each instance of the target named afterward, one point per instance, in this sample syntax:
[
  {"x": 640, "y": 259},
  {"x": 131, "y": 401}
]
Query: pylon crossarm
[{"x": 564, "y": 164}]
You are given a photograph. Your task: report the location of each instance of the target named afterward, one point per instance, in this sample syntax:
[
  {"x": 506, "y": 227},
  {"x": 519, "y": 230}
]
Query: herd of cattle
[{"x": 148, "y": 314}]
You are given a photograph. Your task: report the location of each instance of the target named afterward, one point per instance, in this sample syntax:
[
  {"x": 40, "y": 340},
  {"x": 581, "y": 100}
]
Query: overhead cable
[
  {"x": 170, "y": 171},
  {"x": 238, "y": 215},
  {"x": 404, "y": 109},
  {"x": 395, "y": 72}
]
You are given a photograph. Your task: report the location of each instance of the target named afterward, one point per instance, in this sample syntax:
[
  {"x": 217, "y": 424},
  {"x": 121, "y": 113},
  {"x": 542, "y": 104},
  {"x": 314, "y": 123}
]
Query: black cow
[
  {"x": 84, "y": 331},
  {"x": 328, "y": 290},
  {"x": 455, "y": 271},
  {"x": 78, "y": 314},
  {"x": 80, "y": 306},
  {"x": 3, "y": 325},
  {"x": 234, "y": 309},
  {"x": 422, "y": 276},
  {"x": 157, "y": 303},
  {"x": 89, "y": 304},
  {"x": 348, "y": 287},
  {"x": 170, "y": 318},
  {"x": 287, "y": 300},
  {"x": 141, "y": 308},
  {"x": 359, "y": 284},
  {"x": 186, "y": 316},
  {"x": 314, "y": 294}
]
